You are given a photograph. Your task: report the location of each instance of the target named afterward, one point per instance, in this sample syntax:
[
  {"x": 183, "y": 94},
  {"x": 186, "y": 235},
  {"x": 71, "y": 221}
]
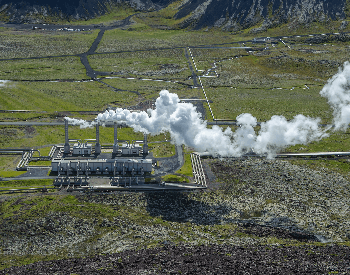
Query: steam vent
[{"x": 123, "y": 165}]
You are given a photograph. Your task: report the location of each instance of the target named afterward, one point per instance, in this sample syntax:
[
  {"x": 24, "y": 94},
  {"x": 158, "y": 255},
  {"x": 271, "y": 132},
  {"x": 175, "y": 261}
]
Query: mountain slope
[
  {"x": 229, "y": 15},
  {"x": 35, "y": 11},
  {"x": 237, "y": 14}
]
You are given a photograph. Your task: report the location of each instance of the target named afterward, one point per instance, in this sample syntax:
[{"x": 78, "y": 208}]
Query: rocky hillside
[
  {"x": 35, "y": 11},
  {"x": 195, "y": 14},
  {"x": 238, "y": 14}
]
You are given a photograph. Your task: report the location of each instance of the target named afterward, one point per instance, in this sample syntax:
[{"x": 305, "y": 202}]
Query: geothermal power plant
[{"x": 127, "y": 165}]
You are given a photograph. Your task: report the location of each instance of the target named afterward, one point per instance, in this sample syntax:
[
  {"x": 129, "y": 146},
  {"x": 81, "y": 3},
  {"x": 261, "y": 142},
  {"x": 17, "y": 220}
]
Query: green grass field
[
  {"x": 59, "y": 96},
  {"x": 41, "y": 43},
  {"x": 186, "y": 169},
  {"x": 26, "y": 183},
  {"x": 59, "y": 68},
  {"x": 11, "y": 174},
  {"x": 148, "y": 38},
  {"x": 149, "y": 90},
  {"x": 162, "y": 150},
  {"x": 228, "y": 103},
  {"x": 151, "y": 64},
  {"x": 8, "y": 164}
]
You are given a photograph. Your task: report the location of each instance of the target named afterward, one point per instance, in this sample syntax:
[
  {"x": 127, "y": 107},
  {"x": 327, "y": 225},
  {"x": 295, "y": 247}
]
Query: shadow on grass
[{"x": 180, "y": 207}]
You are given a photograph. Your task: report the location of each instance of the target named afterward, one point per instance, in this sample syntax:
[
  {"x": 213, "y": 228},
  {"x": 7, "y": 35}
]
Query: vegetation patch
[
  {"x": 230, "y": 102},
  {"x": 115, "y": 13},
  {"x": 186, "y": 169},
  {"x": 120, "y": 40},
  {"x": 162, "y": 150},
  {"x": 8, "y": 163},
  {"x": 25, "y": 183},
  {"x": 41, "y": 43},
  {"x": 69, "y": 68},
  {"x": 11, "y": 174},
  {"x": 56, "y": 97},
  {"x": 160, "y": 61},
  {"x": 40, "y": 163},
  {"x": 174, "y": 178}
]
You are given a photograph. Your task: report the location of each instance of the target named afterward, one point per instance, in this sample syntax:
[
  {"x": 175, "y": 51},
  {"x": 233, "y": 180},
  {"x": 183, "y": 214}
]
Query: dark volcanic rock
[
  {"x": 320, "y": 39},
  {"x": 237, "y": 14},
  {"x": 215, "y": 259},
  {"x": 27, "y": 11},
  {"x": 226, "y": 14},
  {"x": 268, "y": 231}
]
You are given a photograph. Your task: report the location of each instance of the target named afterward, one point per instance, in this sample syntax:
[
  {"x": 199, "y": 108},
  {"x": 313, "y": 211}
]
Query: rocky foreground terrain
[
  {"x": 284, "y": 195},
  {"x": 258, "y": 215},
  {"x": 215, "y": 259}
]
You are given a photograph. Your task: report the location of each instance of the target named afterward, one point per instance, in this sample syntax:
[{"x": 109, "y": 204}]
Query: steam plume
[
  {"x": 2, "y": 83},
  {"x": 81, "y": 122},
  {"x": 278, "y": 133},
  {"x": 338, "y": 94},
  {"x": 185, "y": 126}
]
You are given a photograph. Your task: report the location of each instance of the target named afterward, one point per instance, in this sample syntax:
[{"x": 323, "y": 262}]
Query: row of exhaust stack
[{"x": 98, "y": 145}]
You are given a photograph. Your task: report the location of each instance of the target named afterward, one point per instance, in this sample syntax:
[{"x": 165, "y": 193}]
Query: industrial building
[
  {"x": 119, "y": 166},
  {"x": 127, "y": 164}
]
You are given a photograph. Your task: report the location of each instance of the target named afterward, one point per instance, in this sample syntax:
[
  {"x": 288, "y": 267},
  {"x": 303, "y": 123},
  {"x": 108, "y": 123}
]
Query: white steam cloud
[
  {"x": 3, "y": 82},
  {"x": 338, "y": 94},
  {"x": 81, "y": 122},
  {"x": 185, "y": 126}
]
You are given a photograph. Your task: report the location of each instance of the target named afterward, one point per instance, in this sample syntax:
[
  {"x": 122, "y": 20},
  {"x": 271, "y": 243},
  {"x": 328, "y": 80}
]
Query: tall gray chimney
[
  {"x": 66, "y": 140},
  {"x": 98, "y": 145},
  {"x": 145, "y": 145},
  {"x": 115, "y": 145}
]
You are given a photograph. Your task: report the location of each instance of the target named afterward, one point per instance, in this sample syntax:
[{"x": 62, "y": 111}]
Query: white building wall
[{"x": 102, "y": 164}]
